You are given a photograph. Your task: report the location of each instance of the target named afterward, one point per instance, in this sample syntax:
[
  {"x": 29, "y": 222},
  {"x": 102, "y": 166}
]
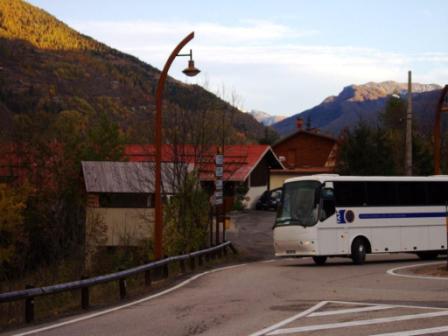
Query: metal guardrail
[{"x": 30, "y": 293}]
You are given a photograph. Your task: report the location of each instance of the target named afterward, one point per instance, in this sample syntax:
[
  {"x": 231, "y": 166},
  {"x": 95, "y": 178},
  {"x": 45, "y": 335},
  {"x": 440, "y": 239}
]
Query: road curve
[{"x": 258, "y": 295}]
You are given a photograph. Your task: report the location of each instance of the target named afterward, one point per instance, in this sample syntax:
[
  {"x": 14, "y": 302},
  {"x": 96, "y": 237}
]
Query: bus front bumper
[{"x": 295, "y": 241}]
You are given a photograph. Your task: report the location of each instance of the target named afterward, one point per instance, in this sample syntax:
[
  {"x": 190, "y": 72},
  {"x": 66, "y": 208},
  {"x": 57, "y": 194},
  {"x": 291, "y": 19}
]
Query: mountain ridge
[{"x": 362, "y": 102}]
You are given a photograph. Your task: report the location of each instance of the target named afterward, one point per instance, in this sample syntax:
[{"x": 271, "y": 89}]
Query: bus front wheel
[
  {"x": 320, "y": 260},
  {"x": 359, "y": 251}
]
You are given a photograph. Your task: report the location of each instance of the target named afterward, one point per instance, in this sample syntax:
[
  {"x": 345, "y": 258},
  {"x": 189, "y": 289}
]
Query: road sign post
[{"x": 219, "y": 193}]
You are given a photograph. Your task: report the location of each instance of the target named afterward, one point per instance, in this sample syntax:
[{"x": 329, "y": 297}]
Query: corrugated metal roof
[{"x": 128, "y": 177}]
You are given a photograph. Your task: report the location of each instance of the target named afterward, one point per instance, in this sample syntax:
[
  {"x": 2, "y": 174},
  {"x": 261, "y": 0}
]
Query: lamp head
[{"x": 191, "y": 70}]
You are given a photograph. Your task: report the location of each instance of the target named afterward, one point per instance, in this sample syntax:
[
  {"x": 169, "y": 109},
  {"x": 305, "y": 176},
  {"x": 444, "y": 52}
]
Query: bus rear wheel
[
  {"x": 428, "y": 255},
  {"x": 359, "y": 251},
  {"x": 320, "y": 260}
]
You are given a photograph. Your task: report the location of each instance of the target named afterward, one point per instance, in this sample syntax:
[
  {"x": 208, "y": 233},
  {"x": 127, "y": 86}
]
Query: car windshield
[{"x": 300, "y": 204}]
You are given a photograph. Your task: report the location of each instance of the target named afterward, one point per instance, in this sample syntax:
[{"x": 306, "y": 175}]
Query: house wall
[
  {"x": 304, "y": 150},
  {"x": 260, "y": 175},
  {"x": 258, "y": 183},
  {"x": 118, "y": 226},
  {"x": 276, "y": 180},
  {"x": 253, "y": 195}
]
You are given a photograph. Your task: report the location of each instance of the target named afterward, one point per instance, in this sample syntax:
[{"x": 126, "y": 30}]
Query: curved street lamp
[
  {"x": 442, "y": 106},
  {"x": 189, "y": 71}
]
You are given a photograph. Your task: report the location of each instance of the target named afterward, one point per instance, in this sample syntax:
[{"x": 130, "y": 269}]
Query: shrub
[{"x": 186, "y": 218}]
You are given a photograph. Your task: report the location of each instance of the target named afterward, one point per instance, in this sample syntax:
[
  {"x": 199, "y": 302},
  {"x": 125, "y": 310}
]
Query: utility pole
[{"x": 408, "y": 149}]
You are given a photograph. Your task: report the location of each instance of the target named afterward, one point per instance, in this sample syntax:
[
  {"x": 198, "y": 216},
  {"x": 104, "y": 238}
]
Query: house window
[{"x": 126, "y": 200}]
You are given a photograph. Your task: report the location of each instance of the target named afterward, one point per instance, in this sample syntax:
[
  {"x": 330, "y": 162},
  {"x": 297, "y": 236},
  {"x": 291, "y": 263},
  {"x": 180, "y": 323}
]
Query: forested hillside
[{"x": 48, "y": 67}]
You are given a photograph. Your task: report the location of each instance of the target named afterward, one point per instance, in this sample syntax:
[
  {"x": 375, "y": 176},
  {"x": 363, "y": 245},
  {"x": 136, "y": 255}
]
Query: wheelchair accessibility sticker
[{"x": 344, "y": 216}]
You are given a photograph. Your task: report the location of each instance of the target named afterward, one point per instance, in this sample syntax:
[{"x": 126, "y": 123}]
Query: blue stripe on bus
[{"x": 402, "y": 215}]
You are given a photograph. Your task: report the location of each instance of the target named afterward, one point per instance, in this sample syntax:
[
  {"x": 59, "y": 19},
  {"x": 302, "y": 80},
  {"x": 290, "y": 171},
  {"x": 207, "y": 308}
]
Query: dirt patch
[{"x": 436, "y": 270}]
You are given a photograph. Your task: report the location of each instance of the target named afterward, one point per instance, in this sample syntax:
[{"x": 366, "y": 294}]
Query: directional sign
[
  {"x": 219, "y": 159},
  {"x": 218, "y": 201},
  {"x": 219, "y": 171},
  {"x": 218, "y": 194},
  {"x": 218, "y": 184}
]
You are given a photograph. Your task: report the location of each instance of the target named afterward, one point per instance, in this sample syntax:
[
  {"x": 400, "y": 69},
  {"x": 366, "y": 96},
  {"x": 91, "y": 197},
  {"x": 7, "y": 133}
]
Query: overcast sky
[{"x": 281, "y": 57}]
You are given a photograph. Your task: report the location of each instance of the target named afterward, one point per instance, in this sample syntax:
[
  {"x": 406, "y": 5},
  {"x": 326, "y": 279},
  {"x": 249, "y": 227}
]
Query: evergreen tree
[{"x": 366, "y": 151}]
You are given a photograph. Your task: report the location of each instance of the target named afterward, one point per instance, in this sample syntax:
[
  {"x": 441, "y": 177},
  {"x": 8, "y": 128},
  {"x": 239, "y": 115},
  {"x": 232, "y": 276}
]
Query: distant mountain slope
[
  {"x": 46, "y": 65},
  {"x": 363, "y": 102},
  {"x": 266, "y": 118}
]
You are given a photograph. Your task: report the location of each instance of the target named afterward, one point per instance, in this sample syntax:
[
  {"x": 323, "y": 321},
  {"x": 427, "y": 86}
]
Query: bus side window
[{"x": 327, "y": 208}]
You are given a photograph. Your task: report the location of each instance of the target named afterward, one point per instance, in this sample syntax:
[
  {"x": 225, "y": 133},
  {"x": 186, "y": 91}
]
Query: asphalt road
[{"x": 282, "y": 297}]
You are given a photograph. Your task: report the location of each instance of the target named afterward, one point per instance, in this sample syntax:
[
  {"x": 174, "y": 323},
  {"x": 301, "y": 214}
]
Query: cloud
[
  {"x": 262, "y": 56},
  {"x": 249, "y": 31}
]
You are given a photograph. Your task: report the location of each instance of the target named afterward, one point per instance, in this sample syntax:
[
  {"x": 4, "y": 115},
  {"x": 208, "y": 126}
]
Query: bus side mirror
[{"x": 327, "y": 194}]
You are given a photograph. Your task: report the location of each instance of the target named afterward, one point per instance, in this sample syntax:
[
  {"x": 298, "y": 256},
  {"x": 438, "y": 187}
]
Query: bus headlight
[{"x": 307, "y": 242}]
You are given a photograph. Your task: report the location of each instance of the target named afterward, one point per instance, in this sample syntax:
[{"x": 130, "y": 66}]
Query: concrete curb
[{"x": 393, "y": 272}]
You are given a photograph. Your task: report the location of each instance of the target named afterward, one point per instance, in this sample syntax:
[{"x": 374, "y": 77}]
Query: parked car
[{"x": 269, "y": 199}]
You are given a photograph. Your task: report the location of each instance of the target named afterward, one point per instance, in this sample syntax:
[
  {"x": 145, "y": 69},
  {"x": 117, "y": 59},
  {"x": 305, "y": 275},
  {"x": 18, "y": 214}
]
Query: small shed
[{"x": 120, "y": 200}]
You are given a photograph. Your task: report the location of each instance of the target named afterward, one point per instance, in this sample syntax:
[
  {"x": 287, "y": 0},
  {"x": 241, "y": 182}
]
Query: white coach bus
[{"x": 324, "y": 216}]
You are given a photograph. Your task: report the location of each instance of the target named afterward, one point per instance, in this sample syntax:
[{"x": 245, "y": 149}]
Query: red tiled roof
[
  {"x": 239, "y": 160},
  {"x": 303, "y": 131},
  {"x": 20, "y": 163}
]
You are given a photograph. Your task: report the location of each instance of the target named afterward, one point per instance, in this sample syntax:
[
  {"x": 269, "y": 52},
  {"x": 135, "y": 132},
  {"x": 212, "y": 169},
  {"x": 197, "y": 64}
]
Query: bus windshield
[{"x": 300, "y": 203}]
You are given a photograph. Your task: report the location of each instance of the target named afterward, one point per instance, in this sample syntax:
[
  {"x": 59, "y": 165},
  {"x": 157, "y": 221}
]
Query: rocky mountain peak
[
  {"x": 266, "y": 118},
  {"x": 373, "y": 90}
]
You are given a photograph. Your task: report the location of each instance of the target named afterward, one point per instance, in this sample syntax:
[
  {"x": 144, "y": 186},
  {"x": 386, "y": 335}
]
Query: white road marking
[
  {"x": 416, "y": 332},
  {"x": 289, "y": 320},
  {"x": 392, "y": 306},
  {"x": 358, "y": 323},
  {"x": 349, "y": 311},
  {"x": 394, "y": 270},
  {"x": 107, "y": 311}
]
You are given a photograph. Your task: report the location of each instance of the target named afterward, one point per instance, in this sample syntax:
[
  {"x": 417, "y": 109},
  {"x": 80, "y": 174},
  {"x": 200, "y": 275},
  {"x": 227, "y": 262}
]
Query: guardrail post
[
  {"x": 165, "y": 271},
  {"x": 200, "y": 260},
  {"x": 192, "y": 263},
  {"x": 85, "y": 296},
  {"x": 29, "y": 307},
  {"x": 182, "y": 266},
  {"x": 148, "y": 278},
  {"x": 219, "y": 253},
  {"x": 224, "y": 251},
  {"x": 122, "y": 284},
  {"x": 207, "y": 257},
  {"x": 233, "y": 249}
]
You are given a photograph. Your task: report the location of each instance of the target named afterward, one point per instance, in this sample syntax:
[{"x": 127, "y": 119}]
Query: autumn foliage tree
[
  {"x": 13, "y": 236},
  {"x": 51, "y": 148}
]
